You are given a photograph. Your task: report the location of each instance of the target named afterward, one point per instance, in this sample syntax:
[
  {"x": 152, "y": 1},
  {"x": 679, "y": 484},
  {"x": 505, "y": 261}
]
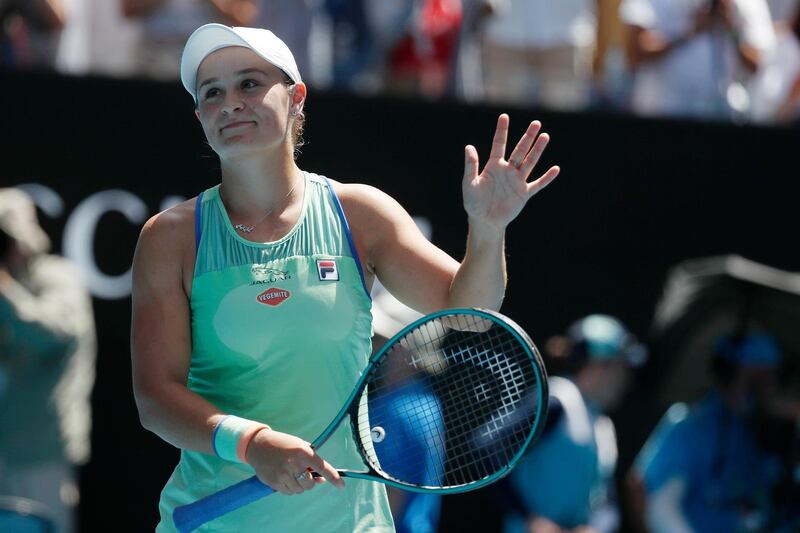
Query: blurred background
[{"x": 674, "y": 124}]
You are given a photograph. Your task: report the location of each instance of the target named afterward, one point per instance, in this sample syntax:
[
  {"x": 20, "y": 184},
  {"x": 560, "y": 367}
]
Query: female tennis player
[{"x": 251, "y": 309}]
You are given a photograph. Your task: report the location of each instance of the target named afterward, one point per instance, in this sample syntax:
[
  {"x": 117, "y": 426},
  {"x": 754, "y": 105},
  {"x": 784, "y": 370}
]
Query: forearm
[
  {"x": 645, "y": 45},
  {"x": 481, "y": 278},
  {"x": 748, "y": 55},
  {"x": 179, "y": 416}
]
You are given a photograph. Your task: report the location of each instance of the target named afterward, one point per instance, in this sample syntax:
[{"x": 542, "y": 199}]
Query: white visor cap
[{"x": 211, "y": 37}]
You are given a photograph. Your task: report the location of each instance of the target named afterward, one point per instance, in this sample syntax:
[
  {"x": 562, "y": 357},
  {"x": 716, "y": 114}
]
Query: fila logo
[
  {"x": 273, "y": 296},
  {"x": 326, "y": 268}
]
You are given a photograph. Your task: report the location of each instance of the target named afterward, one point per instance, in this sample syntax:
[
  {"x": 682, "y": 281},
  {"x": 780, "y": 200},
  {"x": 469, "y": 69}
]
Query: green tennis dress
[{"x": 280, "y": 334}]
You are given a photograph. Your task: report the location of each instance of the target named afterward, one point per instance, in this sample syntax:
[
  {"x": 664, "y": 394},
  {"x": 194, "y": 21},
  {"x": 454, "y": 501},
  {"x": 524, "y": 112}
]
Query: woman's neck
[{"x": 252, "y": 186}]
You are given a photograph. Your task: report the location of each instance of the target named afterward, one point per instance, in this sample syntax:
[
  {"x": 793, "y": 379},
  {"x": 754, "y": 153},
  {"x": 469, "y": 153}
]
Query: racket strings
[
  {"x": 461, "y": 391},
  {"x": 490, "y": 445}
]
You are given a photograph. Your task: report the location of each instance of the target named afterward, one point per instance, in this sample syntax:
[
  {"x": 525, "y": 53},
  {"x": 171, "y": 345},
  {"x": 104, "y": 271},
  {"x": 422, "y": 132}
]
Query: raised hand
[{"x": 497, "y": 195}]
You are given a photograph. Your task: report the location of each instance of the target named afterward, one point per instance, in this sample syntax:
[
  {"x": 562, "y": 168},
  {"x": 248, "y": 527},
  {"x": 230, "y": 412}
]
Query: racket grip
[{"x": 191, "y": 516}]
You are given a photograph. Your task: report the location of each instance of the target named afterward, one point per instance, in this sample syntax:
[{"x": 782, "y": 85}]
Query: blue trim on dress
[
  {"x": 348, "y": 234},
  {"x": 198, "y": 223}
]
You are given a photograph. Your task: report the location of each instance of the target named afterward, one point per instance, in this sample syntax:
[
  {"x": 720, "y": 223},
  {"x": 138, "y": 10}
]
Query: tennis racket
[{"x": 468, "y": 383}]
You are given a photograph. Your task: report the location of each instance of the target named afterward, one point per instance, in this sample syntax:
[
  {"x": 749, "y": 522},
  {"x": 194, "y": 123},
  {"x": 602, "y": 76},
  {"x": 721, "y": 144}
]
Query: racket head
[{"x": 450, "y": 403}]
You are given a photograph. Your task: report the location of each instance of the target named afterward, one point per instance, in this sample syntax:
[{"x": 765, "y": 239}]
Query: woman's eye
[
  {"x": 249, "y": 84},
  {"x": 211, "y": 93}
]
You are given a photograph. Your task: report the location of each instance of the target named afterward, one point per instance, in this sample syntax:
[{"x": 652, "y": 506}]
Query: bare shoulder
[
  {"x": 166, "y": 242},
  {"x": 366, "y": 204},
  {"x": 377, "y": 222},
  {"x": 174, "y": 226}
]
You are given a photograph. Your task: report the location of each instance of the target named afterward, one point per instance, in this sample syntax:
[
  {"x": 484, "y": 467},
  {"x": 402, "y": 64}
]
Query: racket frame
[{"x": 350, "y": 406}]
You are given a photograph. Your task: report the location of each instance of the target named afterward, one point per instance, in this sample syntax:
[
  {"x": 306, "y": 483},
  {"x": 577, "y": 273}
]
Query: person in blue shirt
[
  {"x": 703, "y": 468},
  {"x": 565, "y": 483}
]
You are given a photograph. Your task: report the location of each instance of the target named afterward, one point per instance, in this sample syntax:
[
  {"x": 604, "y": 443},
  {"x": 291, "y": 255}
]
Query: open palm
[{"x": 497, "y": 195}]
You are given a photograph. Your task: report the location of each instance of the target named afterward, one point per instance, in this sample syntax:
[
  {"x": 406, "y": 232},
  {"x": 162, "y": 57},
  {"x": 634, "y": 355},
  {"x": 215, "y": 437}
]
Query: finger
[
  {"x": 525, "y": 143},
  {"x": 500, "y": 136},
  {"x": 281, "y": 487},
  {"x": 306, "y": 481},
  {"x": 533, "y": 156},
  {"x": 470, "y": 163},
  {"x": 292, "y": 484},
  {"x": 544, "y": 181},
  {"x": 327, "y": 471}
]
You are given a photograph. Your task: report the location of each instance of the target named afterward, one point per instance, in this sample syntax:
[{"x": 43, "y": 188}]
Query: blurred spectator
[
  {"x": 353, "y": 46},
  {"x": 789, "y": 108},
  {"x": 47, "y": 353},
  {"x": 540, "y": 52},
  {"x": 772, "y": 85},
  {"x": 167, "y": 24},
  {"x": 704, "y": 469},
  {"x": 695, "y": 57},
  {"x": 387, "y": 24},
  {"x": 566, "y": 481},
  {"x": 416, "y": 43},
  {"x": 611, "y": 75},
  {"x": 98, "y": 39},
  {"x": 291, "y": 20},
  {"x": 467, "y": 78},
  {"x": 29, "y": 32}
]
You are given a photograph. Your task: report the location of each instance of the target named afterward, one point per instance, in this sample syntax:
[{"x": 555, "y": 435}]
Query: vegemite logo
[
  {"x": 273, "y": 296},
  {"x": 327, "y": 270}
]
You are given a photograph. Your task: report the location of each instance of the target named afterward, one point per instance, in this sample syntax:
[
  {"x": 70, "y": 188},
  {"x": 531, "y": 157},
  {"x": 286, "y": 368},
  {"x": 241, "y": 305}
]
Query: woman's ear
[
  {"x": 197, "y": 113},
  {"x": 298, "y": 94}
]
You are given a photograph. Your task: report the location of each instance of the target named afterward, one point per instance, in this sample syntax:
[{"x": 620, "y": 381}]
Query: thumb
[{"x": 470, "y": 163}]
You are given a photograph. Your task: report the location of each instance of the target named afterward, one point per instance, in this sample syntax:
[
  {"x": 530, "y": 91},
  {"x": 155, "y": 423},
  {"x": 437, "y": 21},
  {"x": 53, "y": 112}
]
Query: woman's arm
[
  {"x": 161, "y": 336},
  {"x": 421, "y": 275}
]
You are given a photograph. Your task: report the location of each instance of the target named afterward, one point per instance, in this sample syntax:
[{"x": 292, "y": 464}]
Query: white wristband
[{"x": 232, "y": 436}]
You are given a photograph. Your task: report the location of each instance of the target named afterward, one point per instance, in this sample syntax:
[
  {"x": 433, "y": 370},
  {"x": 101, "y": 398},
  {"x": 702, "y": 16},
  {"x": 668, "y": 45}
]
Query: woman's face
[{"x": 244, "y": 104}]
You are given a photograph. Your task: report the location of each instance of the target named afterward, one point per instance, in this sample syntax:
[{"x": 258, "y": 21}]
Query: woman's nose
[{"x": 231, "y": 104}]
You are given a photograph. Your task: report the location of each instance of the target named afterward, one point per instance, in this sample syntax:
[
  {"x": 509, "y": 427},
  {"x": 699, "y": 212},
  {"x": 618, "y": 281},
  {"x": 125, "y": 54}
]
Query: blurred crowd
[{"x": 733, "y": 60}]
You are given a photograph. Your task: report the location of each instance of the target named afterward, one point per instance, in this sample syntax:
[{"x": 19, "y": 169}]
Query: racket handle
[{"x": 191, "y": 516}]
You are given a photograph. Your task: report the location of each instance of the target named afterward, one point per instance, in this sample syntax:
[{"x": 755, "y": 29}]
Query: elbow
[
  {"x": 148, "y": 407},
  {"x": 146, "y": 418}
]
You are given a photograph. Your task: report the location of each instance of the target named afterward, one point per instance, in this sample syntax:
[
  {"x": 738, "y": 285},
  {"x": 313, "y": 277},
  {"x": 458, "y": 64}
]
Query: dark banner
[{"x": 635, "y": 197}]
